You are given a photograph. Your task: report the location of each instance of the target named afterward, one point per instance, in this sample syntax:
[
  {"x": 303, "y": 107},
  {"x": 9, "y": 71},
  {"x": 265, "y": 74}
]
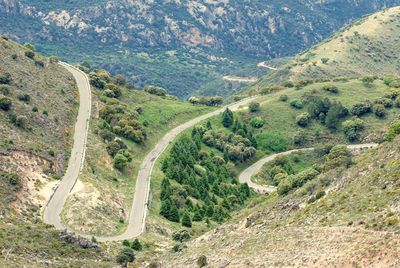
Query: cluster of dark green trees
[{"x": 197, "y": 185}]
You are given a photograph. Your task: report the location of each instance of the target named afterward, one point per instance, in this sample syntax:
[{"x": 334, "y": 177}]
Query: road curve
[
  {"x": 55, "y": 204},
  {"x": 139, "y": 209},
  {"x": 245, "y": 176}
]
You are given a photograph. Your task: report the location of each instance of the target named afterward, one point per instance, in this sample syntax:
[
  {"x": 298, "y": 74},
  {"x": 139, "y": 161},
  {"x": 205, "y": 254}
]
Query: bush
[
  {"x": 325, "y": 60},
  {"x": 5, "y": 78},
  {"x": 330, "y": 88},
  {"x": 271, "y": 142},
  {"x": 352, "y": 129},
  {"x": 125, "y": 255},
  {"x": 303, "y": 119},
  {"x": 283, "y": 98},
  {"x": 368, "y": 80},
  {"x": 300, "y": 138},
  {"x": 379, "y": 110},
  {"x": 159, "y": 91},
  {"x": 336, "y": 112},
  {"x": 5, "y": 104},
  {"x": 339, "y": 156},
  {"x": 114, "y": 89},
  {"x": 136, "y": 245},
  {"x": 254, "y": 107},
  {"x": 386, "y": 102},
  {"x": 288, "y": 84},
  {"x": 202, "y": 261},
  {"x": 39, "y": 63},
  {"x": 181, "y": 236},
  {"x": 298, "y": 104},
  {"x": 120, "y": 80},
  {"x": 361, "y": 108},
  {"x": 21, "y": 121},
  {"x": 120, "y": 161},
  {"x": 5, "y": 91},
  {"x": 97, "y": 82},
  {"x": 24, "y": 97},
  {"x": 284, "y": 187},
  {"x": 257, "y": 122},
  {"x": 53, "y": 59},
  {"x": 271, "y": 88},
  {"x": 30, "y": 54},
  {"x": 393, "y": 131}
]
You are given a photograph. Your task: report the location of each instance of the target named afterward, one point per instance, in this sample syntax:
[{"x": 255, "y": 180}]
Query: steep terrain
[
  {"x": 367, "y": 47},
  {"x": 38, "y": 108},
  {"x": 181, "y": 45},
  {"x": 356, "y": 222}
]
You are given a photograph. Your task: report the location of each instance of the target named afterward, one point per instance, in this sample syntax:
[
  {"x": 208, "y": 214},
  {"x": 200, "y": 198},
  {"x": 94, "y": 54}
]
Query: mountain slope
[
  {"x": 37, "y": 114},
  {"x": 181, "y": 45},
  {"x": 357, "y": 221},
  {"x": 367, "y": 47}
]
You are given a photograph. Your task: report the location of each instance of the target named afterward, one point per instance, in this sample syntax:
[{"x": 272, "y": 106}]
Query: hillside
[
  {"x": 181, "y": 45},
  {"x": 355, "y": 221},
  {"x": 367, "y": 47},
  {"x": 38, "y": 102}
]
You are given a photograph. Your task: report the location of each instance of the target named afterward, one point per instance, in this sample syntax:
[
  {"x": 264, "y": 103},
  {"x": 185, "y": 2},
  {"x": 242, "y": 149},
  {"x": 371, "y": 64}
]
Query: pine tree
[
  {"x": 173, "y": 213},
  {"x": 186, "y": 220},
  {"x": 227, "y": 118},
  {"x": 209, "y": 126},
  {"x": 197, "y": 216}
]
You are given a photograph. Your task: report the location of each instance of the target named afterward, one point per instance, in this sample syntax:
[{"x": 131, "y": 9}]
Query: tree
[
  {"x": 338, "y": 156},
  {"x": 120, "y": 80},
  {"x": 125, "y": 243},
  {"x": 159, "y": 91},
  {"x": 283, "y": 98},
  {"x": 227, "y": 118},
  {"x": 125, "y": 255},
  {"x": 393, "y": 131},
  {"x": 336, "y": 112},
  {"x": 30, "y": 54},
  {"x": 5, "y": 104},
  {"x": 136, "y": 245},
  {"x": 298, "y": 104},
  {"x": 5, "y": 78},
  {"x": 254, "y": 106},
  {"x": 186, "y": 220},
  {"x": 352, "y": 129},
  {"x": 368, "y": 80},
  {"x": 361, "y": 108},
  {"x": 21, "y": 121},
  {"x": 120, "y": 161}
]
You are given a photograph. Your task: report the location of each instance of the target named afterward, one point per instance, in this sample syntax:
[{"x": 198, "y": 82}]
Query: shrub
[
  {"x": 271, "y": 88},
  {"x": 120, "y": 161},
  {"x": 108, "y": 136},
  {"x": 386, "y": 102},
  {"x": 284, "y": 187},
  {"x": 120, "y": 80},
  {"x": 5, "y": 104},
  {"x": 324, "y": 60},
  {"x": 301, "y": 178},
  {"x": 136, "y": 245},
  {"x": 126, "y": 243},
  {"x": 398, "y": 103},
  {"x": 21, "y": 121},
  {"x": 257, "y": 122},
  {"x": 30, "y": 54},
  {"x": 303, "y": 119},
  {"x": 336, "y": 112},
  {"x": 202, "y": 261},
  {"x": 5, "y": 78},
  {"x": 108, "y": 93},
  {"x": 14, "y": 56},
  {"x": 361, "y": 108},
  {"x": 24, "y": 97},
  {"x": 115, "y": 90},
  {"x": 393, "y": 131},
  {"x": 53, "y": 59},
  {"x": 46, "y": 113},
  {"x": 352, "y": 129},
  {"x": 271, "y": 142},
  {"x": 5, "y": 90},
  {"x": 288, "y": 84},
  {"x": 181, "y": 236},
  {"x": 97, "y": 82},
  {"x": 283, "y": 98},
  {"x": 300, "y": 138},
  {"x": 125, "y": 255},
  {"x": 379, "y": 110},
  {"x": 39, "y": 63},
  {"x": 30, "y": 47},
  {"x": 338, "y": 156},
  {"x": 254, "y": 107},
  {"x": 159, "y": 91},
  {"x": 368, "y": 80},
  {"x": 298, "y": 104},
  {"x": 330, "y": 88}
]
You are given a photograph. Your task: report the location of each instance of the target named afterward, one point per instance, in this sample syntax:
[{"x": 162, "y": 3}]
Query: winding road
[
  {"x": 55, "y": 204},
  {"x": 245, "y": 176},
  {"x": 139, "y": 209}
]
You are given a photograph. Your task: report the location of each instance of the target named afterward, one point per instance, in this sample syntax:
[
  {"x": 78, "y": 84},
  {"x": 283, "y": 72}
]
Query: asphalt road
[
  {"x": 245, "y": 176},
  {"x": 139, "y": 209},
  {"x": 56, "y": 202}
]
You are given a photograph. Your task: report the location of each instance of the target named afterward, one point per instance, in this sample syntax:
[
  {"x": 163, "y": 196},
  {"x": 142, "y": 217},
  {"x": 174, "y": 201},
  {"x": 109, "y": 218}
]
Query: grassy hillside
[
  {"x": 366, "y": 47},
  {"x": 101, "y": 202},
  {"x": 38, "y": 102},
  {"x": 356, "y": 220}
]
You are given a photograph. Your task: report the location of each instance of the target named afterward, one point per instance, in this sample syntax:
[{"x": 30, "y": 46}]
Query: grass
[{"x": 109, "y": 193}]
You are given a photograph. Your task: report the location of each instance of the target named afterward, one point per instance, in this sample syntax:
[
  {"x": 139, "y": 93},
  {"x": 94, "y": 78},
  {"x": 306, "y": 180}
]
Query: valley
[{"x": 297, "y": 165}]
